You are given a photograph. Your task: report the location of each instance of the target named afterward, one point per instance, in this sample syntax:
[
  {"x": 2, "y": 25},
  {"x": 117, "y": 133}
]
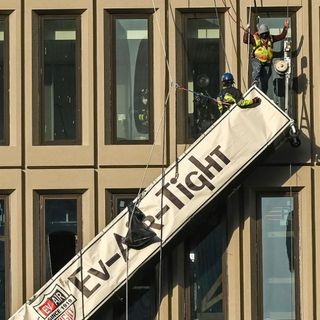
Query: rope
[
  {"x": 127, "y": 281},
  {"x": 161, "y": 218},
  {"x": 162, "y": 122},
  {"x": 153, "y": 146},
  {"x": 243, "y": 28},
  {"x": 232, "y": 18},
  {"x": 178, "y": 86},
  {"x": 162, "y": 42},
  {"x": 291, "y": 246},
  {"x": 82, "y": 284},
  {"x": 248, "y": 44},
  {"x": 222, "y": 37},
  {"x": 142, "y": 183}
]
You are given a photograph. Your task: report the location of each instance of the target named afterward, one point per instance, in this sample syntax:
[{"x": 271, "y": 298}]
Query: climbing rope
[
  {"x": 222, "y": 36},
  {"x": 201, "y": 95},
  {"x": 163, "y": 126}
]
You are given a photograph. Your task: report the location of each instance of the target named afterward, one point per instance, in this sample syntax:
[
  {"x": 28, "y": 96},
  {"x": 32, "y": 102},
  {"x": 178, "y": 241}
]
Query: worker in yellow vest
[
  {"x": 230, "y": 95},
  {"x": 262, "y": 52}
]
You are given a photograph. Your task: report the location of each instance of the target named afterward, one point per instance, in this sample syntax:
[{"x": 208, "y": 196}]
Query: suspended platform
[{"x": 208, "y": 166}]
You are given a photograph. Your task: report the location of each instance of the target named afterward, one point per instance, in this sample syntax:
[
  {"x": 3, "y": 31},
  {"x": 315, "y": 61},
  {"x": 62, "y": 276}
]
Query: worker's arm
[
  {"x": 283, "y": 34},
  {"x": 246, "y": 35},
  {"x": 243, "y": 103},
  {"x": 247, "y": 103}
]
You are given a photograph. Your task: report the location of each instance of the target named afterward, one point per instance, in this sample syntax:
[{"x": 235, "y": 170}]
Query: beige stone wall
[{"x": 94, "y": 166}]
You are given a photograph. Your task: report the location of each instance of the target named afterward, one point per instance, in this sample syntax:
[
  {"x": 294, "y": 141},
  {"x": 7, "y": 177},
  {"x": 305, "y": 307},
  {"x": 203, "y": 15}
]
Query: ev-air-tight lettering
[
  {"x": 176, "y": 193},
  {"x": 195, "y": 180}
]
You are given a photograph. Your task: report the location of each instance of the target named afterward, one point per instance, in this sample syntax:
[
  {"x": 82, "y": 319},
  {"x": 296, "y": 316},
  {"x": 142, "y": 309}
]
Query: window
[
  {"x": 205, "y": 265},
  {"x": 129, "y": 115},
  {"x": 278, "y": 256},
  {"x": 4, "y": 260},
  {"x": 275, "y": 20},
  {"x": 4, "y": 76},
  {"x": 57, "y": 115},
  {"x": 141, "y": 287},
  {"x": 59, "y": 230},
  {"x": 117, "y": 200},
  {"x": 200, "y": 64},
  {"x": 142, "y": 298}
]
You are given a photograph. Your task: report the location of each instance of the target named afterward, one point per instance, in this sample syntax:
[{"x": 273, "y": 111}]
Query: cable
[
  {"x": 222, "y": 36},
  {"x": 162, "y": 42},
  {"x": 248, "y": 44},
  {"x": 178, "y": 86},
  {"x": 161, "y": 219},
  {"x": 291, "y": 244},
  {"x": 82, "y": 284},
  {"x": 232, "y": 18},
  {"x": 127, "y": 282}
]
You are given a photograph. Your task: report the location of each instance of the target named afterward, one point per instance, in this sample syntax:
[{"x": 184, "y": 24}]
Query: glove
[{"x": 256, "y": 100}]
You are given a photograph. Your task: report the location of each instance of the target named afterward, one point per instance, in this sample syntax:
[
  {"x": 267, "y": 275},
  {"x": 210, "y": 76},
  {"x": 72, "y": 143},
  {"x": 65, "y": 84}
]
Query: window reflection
[
  {"x": 132, "y": 79},
  {"x": 2, "y": 279},
  {"x": 2, "y": 218},
  {"x": 3, "y": 75},
  {"x": 205, "y": 276},
  {"x": 60, "y": 233},
  {"x": 2, "y": 260},
  {"x": 277, "y": 214},
  {"x": 60, "y": 111},
  {"x": 203, "y": 72}
]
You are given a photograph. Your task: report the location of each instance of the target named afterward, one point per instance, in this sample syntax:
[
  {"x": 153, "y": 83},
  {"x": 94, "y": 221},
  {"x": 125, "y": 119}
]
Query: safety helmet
[
  {"x": 263, "y": 28},
  {"x": 227, "y": 77}
]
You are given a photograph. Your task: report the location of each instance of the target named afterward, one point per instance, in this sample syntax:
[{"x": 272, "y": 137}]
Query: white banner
[{"x": 204, "y": 170}]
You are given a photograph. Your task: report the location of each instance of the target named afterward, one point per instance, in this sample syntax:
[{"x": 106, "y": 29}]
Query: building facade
[{"x": 94, "y": 102}]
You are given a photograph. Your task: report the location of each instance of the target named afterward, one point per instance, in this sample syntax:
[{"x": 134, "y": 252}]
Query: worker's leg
[
  {"x": 265, "y": 76},
  {"x": 256, "y": 72}
]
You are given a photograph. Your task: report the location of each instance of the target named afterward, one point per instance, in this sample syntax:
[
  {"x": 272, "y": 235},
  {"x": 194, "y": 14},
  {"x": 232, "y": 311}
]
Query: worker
[
  {"x": 262, "y": 52},
  {"x": 230, "y": 95}
]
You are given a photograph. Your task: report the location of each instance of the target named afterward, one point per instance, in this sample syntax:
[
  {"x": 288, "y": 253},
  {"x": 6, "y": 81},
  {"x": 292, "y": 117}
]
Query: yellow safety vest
[{"x": 263, "y": 51}]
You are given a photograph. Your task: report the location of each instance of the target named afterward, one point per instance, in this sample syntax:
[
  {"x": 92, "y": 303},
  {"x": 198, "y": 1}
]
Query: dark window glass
[
  {"x": 2, "y": 280},
  {"x": 142, "y": 299},
  {"x": 117, "y": 200},
  {"x": 2, "y": 218},
  {"x": 60, "y": 233},
  {"x": 123, "y": 202},
  {"x": 132, "y": 116},
  {"x": 4, "y": 119},
  {"x": 60, "y": 106},
  {"x": 4, "y": 258},
  {"x": 205, "y": 275},
  {"x": 278, "y": 257},
  {"x": 202, "y": 57},
  {"x": 142, "y": 287}
]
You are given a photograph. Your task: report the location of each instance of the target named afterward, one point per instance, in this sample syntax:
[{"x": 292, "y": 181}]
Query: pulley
[{"x": 281, "y": 66}]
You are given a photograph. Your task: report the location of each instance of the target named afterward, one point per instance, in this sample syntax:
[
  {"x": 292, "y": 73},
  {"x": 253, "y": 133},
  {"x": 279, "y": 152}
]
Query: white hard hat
[{"x": 263, "y": 28}]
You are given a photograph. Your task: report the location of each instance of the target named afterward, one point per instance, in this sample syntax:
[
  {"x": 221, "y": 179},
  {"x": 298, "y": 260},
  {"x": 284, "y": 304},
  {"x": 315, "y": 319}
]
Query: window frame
[
  {"x": 277, "y": 12},
  {"x": 110, "y": 74},
  {"x": 6, "y": 134},
  {"x": 39, "y": 17},
  {"x": 112, "y": 196},
  {"x": 182, "y": 16},
  {"x": 40, "y": 229},
  {"x": 258, "y": 274},
  {"x": 206, "y": 228},
  {"x": 7, "y": 264}
]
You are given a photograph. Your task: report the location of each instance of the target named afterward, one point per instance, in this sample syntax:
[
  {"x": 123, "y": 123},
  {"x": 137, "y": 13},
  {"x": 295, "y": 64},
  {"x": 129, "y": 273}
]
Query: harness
[{"x": 263, "y": 49}]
